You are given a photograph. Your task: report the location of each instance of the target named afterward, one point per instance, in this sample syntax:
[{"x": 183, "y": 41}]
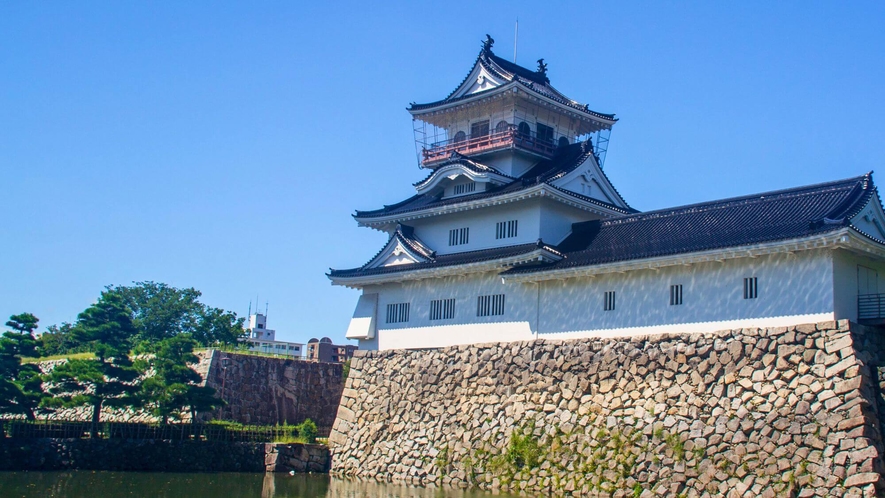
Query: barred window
[
  {"x": 464, "y": 188},
  {"x": 398, "y": 313},
  {"x": 459, "y": 236},
  {"x": 506, "y": 229},
  {"x": 675, "y": 295},
  {"x": 442, "y": 309},
  {"x": 751, "y": 288},
  {"x": 609, "y": 303},
  {"x": 490, "y": 305}
]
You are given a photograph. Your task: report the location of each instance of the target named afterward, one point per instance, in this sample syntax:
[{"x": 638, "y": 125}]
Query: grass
[{"x": 72, "y": 356}]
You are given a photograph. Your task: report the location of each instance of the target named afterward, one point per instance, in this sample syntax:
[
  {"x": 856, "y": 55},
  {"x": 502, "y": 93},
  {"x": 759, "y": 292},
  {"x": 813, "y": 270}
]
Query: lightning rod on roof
[{"x": 515, "y": 39}]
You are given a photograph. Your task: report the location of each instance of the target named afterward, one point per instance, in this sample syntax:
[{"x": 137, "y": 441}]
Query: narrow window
[
  {"x": 459, "y": 236},
  {"x": 398, "y": 313},
  {"x": 751, "y": 288},
  {"x": 460, "y": 137},
  {"x": 442, "y": 309},
  {"x": 479, "y": 129},
  {"x": 490, "y": 305},
  {"x": 464, "y": 188},
  {"x": 524, "y": 129},
  {"x": 563, "y": 141},
  {"x": 545, "y": 133},
  {"x": 506, "y": 229},
  {"x": 502, "y": 126},
  {"x": 675, "y": 295},
  {"x": 609, "y": 304}
]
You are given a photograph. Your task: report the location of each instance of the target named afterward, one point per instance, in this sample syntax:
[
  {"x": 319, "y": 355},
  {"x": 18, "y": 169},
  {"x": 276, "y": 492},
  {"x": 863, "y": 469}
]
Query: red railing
[{"x": 493, "y": 141}]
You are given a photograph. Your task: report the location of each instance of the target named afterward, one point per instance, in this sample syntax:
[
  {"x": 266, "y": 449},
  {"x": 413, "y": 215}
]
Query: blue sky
[{"x": 224, "y": 146}]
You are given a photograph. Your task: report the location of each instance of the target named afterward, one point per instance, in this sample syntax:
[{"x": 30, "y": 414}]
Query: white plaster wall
[
  {"x": 793, "y": 289},
  {"x": 845, "y": 281},
  {"x": 538, "y": 218},
  {"x": 788, "y": 285},
  {"x": 435, "y": 231},
  {"x": 516, "y": 324},
  {"x": 557, "y": 219}
]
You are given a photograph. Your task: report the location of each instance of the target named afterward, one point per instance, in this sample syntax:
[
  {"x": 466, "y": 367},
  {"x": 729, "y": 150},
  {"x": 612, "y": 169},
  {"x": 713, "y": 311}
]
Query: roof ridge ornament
[
  {"x": 487, "y": 44},
  {"x": 542, "y": 68}
]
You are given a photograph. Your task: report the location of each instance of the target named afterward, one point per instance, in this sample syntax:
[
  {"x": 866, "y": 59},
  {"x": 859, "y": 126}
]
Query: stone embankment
[
  {"x": 259, "y": 390},
  {"x": 772, "y": 412},
  {"x": 266, "y": 391},
  {"x": 160, "y": 455}
]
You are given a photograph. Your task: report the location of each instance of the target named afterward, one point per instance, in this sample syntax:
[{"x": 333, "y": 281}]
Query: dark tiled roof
[
  {"x": 510, "y": 72},
  {"x": 461, "y": 258},
  {"x": 566, "y": 159},
  {"x": 742, "y": 221}
]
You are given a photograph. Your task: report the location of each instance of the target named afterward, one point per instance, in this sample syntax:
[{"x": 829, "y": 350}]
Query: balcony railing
[
  {"x": 870, "y": 307},
  {"x": 486, "y": 143}
]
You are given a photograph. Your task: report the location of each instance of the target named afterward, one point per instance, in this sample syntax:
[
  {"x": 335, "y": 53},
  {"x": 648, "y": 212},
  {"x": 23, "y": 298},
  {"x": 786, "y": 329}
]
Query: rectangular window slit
[
  {"x": 675, "y": 295},
  {"x": 398, "y": 313},
  {"x": 751, "y": 288},
  {"x": 459, "y": 236},
  {"x": 490, "y": 305},
  {"x": 442, "y": 309},
  {"x": 609, "y": 304}
]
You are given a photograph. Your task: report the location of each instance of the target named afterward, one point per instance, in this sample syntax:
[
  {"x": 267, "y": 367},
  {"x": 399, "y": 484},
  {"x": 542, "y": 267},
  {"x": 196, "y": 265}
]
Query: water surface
[{"x": 90, "y": 484}]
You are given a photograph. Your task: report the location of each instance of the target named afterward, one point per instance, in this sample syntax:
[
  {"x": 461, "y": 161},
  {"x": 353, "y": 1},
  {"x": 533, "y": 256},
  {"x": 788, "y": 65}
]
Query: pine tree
[
  {"x": 21, "y": 385},
  {"x": 109, "y": 379}
]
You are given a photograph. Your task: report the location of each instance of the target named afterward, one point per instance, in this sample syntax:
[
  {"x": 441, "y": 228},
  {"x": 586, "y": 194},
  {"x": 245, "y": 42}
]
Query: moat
[{"x": 88, "y": 484}]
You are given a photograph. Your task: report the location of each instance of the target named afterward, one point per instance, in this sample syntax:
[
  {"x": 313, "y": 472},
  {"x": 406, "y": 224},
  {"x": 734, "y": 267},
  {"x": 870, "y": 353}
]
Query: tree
[
  {"x": 107, "y": 380},
  {"x": 161, "y": 311},
  {"x": 174, "y": 386},
  {"x": 59, "y": 340},
  {"x": 218, "y": 326},
  {"x": 24, "y": 325},
  {"x": 21, "y": 385}
]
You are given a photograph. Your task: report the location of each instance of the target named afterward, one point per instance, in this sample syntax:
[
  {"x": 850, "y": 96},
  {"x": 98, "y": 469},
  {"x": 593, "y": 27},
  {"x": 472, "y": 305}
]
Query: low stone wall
[
  {"x": 259, "y": 390},
  {"x": 772, "y": 412},
  {"x": 296, "y": 458},
  {"x": 262, "y": 390},
  {"x": 160, "y": 456}
]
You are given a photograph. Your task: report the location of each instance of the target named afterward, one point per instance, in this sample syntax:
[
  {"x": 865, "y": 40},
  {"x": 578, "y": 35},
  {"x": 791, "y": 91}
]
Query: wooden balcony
[{"x": 510, "y": 138}]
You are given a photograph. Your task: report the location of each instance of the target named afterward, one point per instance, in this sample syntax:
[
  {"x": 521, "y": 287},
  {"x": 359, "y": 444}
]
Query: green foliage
[
  {"x": 21, "y": 385},
  {"x": 307, "y": 431},
  {"x": 345, "y": 369},
  {"x": 174, "y": 386},
  {"x": 523, "y": 450},
  {"x": 160, "y": 312},
  {"x": 109, "y": 380},
  {"x": 59, "y": 340}
]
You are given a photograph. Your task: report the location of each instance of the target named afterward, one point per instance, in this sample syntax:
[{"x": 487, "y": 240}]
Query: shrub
[{"x": 307, "y": 431}]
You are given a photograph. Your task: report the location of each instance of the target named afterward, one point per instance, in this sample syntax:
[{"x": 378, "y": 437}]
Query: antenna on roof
[
  {"x": 265, "y": 310},
  {"x": 250, "y": 308},
  {"x": 515, "y": 39}
]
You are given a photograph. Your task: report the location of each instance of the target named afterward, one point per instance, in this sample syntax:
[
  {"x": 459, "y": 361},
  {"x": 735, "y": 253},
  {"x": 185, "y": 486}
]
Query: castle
[{"x": 516, "y": 233}]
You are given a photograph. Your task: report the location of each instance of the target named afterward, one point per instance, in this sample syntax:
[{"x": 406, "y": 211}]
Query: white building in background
[
  {"x": 516, "y": 233},
  {"x": 262, "y": 339}
]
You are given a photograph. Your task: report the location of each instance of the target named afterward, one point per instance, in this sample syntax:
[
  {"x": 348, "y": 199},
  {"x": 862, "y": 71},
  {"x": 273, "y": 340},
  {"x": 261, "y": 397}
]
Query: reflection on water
[{"x": 88, "y": 484}]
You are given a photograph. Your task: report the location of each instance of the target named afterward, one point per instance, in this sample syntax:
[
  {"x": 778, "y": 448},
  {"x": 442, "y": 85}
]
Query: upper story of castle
[{"x": 505, "y": 116}]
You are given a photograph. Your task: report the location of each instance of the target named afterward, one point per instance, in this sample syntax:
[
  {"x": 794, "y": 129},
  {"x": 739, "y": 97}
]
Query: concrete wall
[
  {"x": 573, "y": 308},
  {"x": 780, "y": 411},
  {"x": 261, "y": 390}
]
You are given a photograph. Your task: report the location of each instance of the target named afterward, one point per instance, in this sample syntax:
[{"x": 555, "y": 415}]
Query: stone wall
[
  {"x": 258, "y": 389},
  {"x": 262, "y": 390},
  {"x": 160, "y": 456},
  {"x": 771, "y": 412}
]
